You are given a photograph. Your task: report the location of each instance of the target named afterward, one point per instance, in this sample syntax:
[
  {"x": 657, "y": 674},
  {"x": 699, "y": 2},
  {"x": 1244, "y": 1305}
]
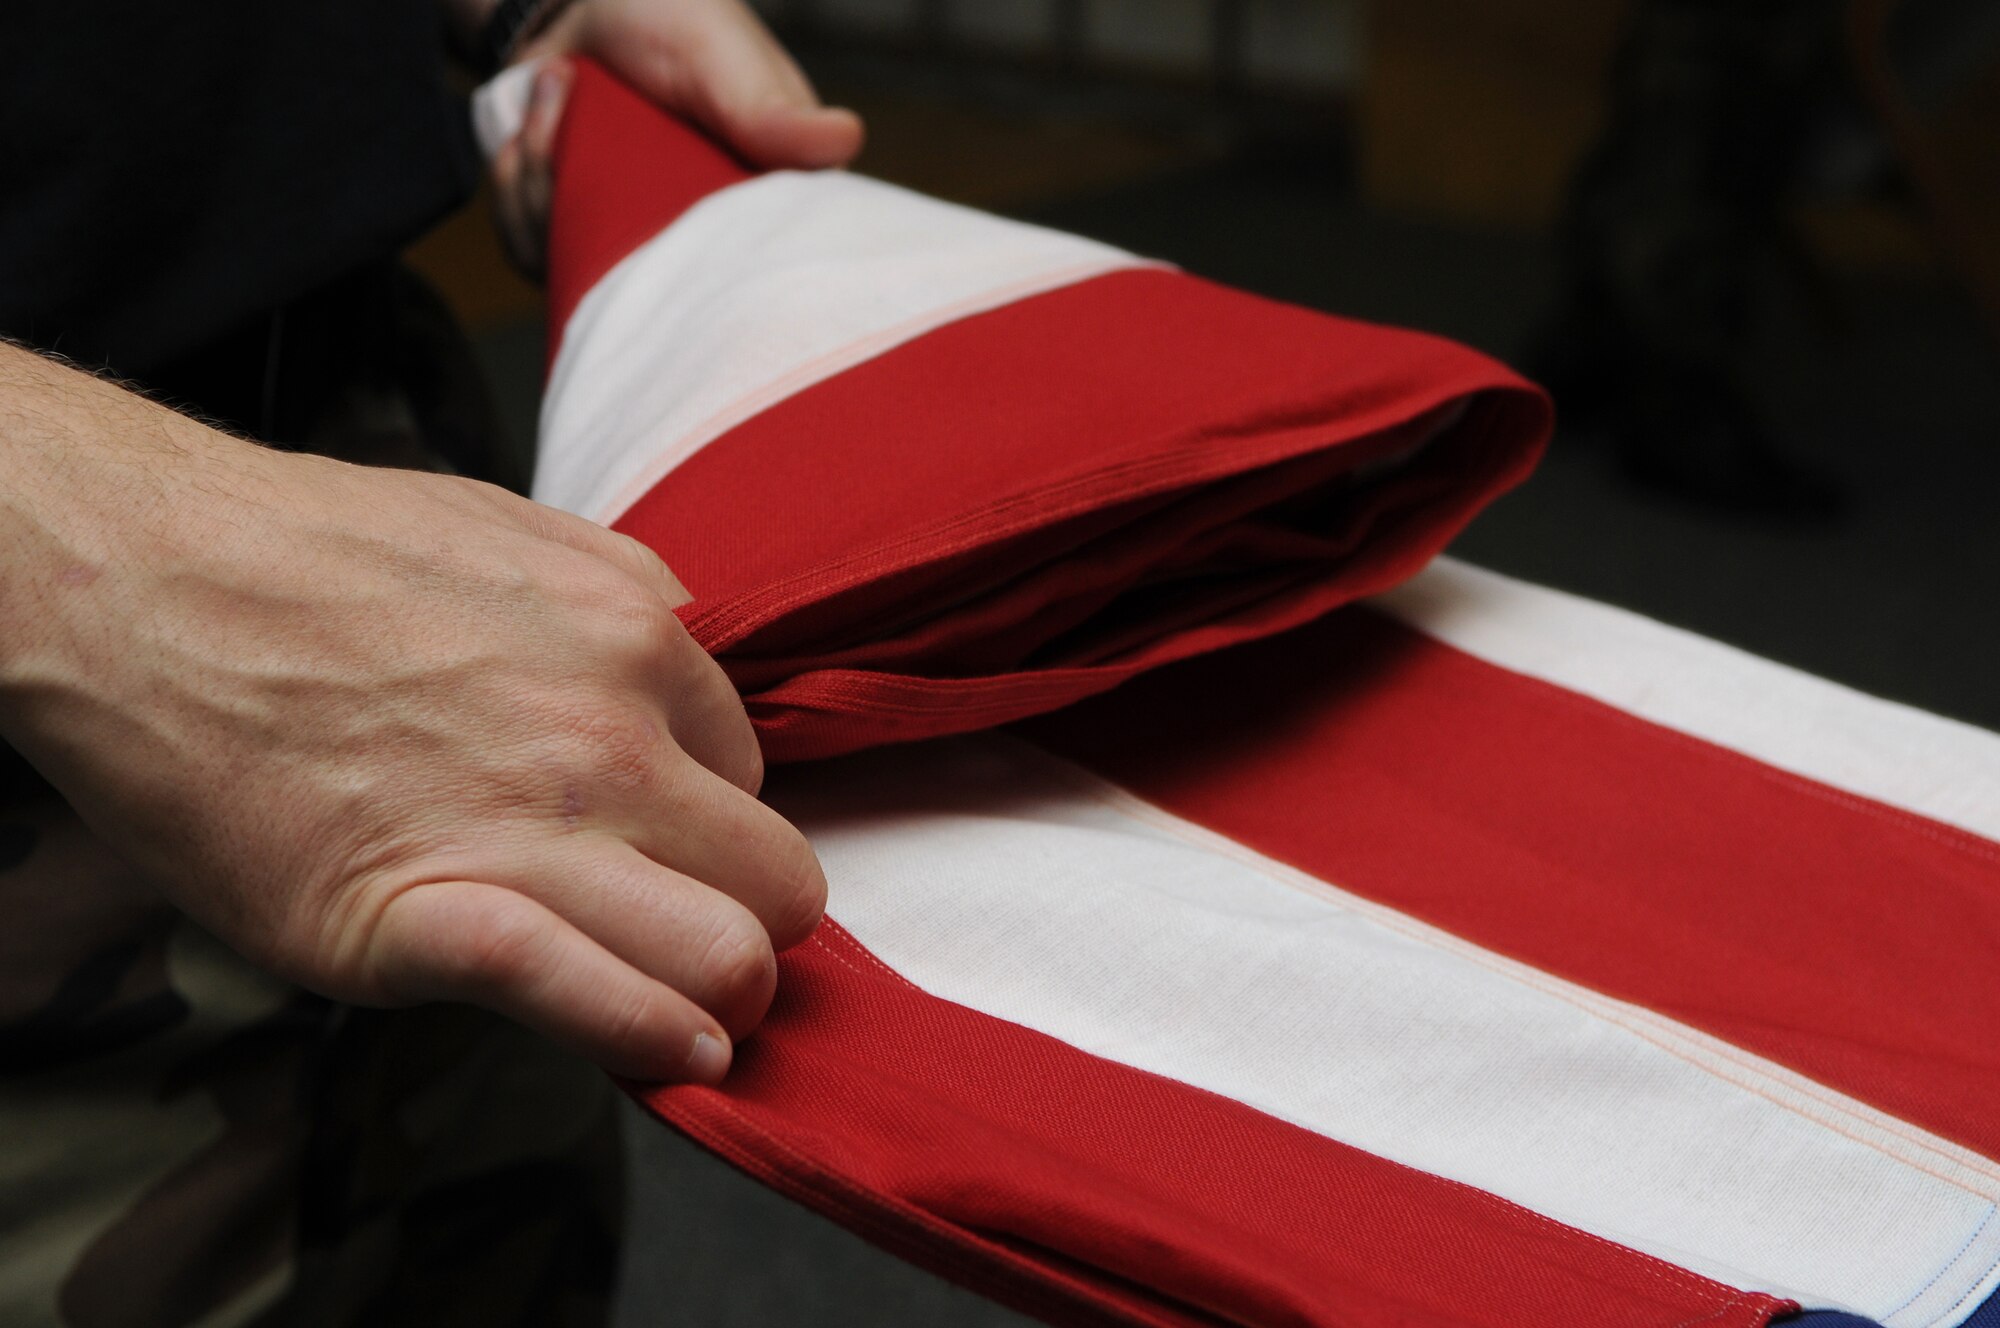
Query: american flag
[{"x": 1239, "y": 914}]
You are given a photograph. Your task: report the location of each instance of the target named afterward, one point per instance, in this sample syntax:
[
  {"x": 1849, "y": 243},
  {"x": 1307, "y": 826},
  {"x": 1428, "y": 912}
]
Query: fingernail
[{"x": 709, "y": 1060}]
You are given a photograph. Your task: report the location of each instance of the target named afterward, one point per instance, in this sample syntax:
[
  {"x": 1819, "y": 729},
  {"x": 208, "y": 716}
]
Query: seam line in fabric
[
  {"x": 1742, "y": 1300},
  {"x": 1019, "y": 513},
  {"x": 1651, "y": 1266},
  {"x": 1623, "y": 1015},
  {"x": 1973, "y": 1287},
  {"x": 1949, "y": 1264},
  {"x": 1939, "y": 829},
  {"x": 1959, "y": 1304},
  {"x": 1950, "y": 836},
  {"x": 828, "y": 364},
  {"x": 1944, "y": 834}
]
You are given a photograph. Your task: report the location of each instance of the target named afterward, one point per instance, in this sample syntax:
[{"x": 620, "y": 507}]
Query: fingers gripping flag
[{"x": 1472, "y": 956}]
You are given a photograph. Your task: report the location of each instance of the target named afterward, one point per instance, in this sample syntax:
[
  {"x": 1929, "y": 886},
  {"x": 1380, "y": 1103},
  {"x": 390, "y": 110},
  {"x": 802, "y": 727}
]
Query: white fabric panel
[
  {"x": 761, "y": 290},
  {"x": 994, "y": 876},
  {"x": 500, "y": 106},
  {"x": 1879, "y": 749}
]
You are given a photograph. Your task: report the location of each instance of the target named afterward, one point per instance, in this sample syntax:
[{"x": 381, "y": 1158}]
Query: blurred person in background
[
  {"x": 289, "y": 737},
  {"x": 1723, "y": 115}
]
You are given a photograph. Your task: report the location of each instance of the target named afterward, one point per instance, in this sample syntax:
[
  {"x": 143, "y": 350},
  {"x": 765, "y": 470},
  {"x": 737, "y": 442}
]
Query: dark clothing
[
  {"x": 208, "y": 197},
  {"x": 170, "y": 172},
  {"x": 190, "y": 1142}
]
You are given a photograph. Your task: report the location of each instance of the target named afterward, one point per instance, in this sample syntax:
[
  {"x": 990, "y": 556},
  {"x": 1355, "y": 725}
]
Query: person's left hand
[{"x": 710, "y": 60}]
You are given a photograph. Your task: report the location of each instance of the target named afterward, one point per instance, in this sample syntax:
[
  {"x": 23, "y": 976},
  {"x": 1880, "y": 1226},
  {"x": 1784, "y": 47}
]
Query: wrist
[{"x": 100, "y": 484}]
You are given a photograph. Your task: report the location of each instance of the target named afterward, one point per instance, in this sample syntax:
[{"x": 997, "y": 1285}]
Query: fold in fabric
[
  {"x": 1475, "y": 956},
  {"x": 1022, "y": 493}
]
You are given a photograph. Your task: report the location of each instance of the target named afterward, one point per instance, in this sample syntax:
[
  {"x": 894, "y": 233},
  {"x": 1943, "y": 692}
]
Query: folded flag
[
  {"x": 927, "y": 471},
  {"x": 1473, "y": 956}
]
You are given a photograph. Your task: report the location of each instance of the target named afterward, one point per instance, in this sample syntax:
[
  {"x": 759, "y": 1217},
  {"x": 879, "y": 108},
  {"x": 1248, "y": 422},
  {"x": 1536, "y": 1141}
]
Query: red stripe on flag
[
  {"x": 868, "y": 554},
  {"x": 1084, "y": 1191},
  {"x": 1172, "y": 449},
  {"x": 623, "y": 171},
  {"x": 1850, "y": 941}
]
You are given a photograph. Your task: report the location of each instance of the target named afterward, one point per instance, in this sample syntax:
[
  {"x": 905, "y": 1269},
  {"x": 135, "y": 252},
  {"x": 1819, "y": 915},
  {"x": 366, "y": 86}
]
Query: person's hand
[
  {"x": 397, "y": 737},
  {"x": 710, "y": 60}
]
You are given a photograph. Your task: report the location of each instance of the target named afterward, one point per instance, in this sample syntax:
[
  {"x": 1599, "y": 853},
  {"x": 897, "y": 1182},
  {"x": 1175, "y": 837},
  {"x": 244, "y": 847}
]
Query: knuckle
[
  {"x": 667, "y": 643},
  {"x": 746, "y": 769},
  {"x": 632, "y": 1023},
  {"x": 739, "y": 972},
  {"x": 622, "y": 754},
  {"x": 497, "y": 947},
  {"x": 714, "y": 725},
  {"x": 635, "y": 624},
  {"x": 801, "y": 900},
  {"x": 640, "y": 558}
]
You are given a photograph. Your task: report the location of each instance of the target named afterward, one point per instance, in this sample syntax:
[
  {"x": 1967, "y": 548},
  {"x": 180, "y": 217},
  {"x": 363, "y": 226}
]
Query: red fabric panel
[
  {"x": 623, "y": 171},
  {"x": 1035, "y": 503},
  {"x": 1085, "y": 1191},
  {"x": 1848, "y": 940},
  {"x": 873, "y": 557}
]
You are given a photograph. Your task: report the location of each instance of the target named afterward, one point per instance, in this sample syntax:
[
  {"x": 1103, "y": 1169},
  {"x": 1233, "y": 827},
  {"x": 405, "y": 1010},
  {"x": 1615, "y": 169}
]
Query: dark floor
[{"x": 1902, "y": 404}]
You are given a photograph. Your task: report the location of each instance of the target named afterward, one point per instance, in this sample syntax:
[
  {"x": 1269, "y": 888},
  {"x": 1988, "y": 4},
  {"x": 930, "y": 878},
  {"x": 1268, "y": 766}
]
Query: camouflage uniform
[{"x": 185, "y": 1140}]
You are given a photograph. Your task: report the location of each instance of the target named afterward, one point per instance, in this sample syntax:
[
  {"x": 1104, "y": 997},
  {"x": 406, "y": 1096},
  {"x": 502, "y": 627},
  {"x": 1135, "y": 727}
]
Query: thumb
[
  {"x": 814, "y": 139},
  {"x": 731, "y": 75}
]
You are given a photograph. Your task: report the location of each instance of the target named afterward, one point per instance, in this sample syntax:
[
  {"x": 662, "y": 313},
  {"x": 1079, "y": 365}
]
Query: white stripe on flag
[
  {"x": 759, "y": 291},
  {"x": 994, "y": 876},
  {"x": 1879, "y": 749}
]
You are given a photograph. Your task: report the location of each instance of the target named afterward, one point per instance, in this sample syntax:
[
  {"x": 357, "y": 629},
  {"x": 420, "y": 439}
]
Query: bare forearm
[{"x": 87, "y": 466}]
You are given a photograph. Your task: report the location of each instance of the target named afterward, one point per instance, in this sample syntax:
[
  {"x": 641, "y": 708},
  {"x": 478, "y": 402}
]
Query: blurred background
[{"x": 1753, "y": 246}]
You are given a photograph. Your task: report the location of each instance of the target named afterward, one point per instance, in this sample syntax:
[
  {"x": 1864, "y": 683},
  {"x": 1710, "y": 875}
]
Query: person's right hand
[{"x": 397, "y": 737}]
